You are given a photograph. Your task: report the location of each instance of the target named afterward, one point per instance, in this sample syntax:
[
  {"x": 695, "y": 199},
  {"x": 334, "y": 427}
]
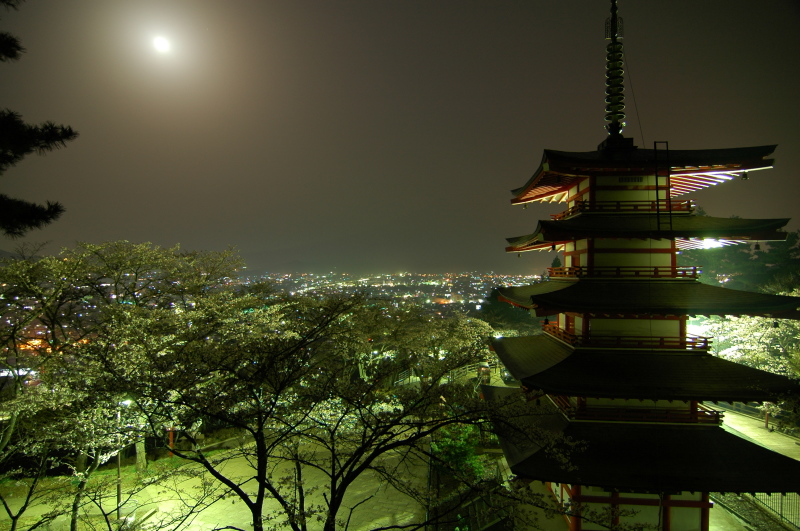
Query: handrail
[
  {"x": 662, "y": 205},
  {"x": 700, "y": 415},
  {"x": 690, "y": 342},
  {"x": 626, "y": 271}
]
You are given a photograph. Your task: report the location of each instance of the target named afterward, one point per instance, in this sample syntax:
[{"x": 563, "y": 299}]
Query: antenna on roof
[{"x": 615, "y": 97}]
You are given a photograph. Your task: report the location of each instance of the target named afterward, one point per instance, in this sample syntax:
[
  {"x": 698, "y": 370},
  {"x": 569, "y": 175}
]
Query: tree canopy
[{"x": 282, "y": 401}]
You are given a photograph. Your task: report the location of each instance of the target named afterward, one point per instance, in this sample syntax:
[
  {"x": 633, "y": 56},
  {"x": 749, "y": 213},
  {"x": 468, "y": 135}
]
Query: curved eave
[
  {"x": 546, "y": 364},
  {"x": 646, "y": 297},
  {"x": 684, "y": 184},
  {"x": 689, "y": 231},
  {"x": 545, "y": 187},
  {"x": 652, "y": 226},
  {"x": 663, "y": 458},
  {"x": 681, "y": 244},
  {"x": 689, "y": 170},
  {"x": 686, "y": 180}
]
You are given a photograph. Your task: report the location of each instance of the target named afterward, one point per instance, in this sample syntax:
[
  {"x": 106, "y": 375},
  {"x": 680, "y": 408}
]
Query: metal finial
[{"x": 615, "y": 97}]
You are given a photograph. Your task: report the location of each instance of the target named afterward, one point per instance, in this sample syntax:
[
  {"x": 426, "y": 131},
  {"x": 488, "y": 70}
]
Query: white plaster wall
[{"x": 635, "y": 327}]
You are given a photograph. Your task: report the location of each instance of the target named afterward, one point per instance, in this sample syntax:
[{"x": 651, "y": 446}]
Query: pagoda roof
[
  {"x": 665, "y": 458},
  {"x": 649, "y": 225},
  {"x": 689, "y": 170},
  {"x": 646, "y": 297},
  {"x": 544, "y": 363},
  {"x": 633, "y": 457}
]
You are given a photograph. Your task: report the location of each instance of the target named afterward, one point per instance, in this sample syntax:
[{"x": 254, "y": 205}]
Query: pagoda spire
[{"x": 615, "y": 97}]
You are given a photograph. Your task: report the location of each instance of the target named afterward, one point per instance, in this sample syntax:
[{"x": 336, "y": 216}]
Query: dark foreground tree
[{"x": 19, "y": 139}]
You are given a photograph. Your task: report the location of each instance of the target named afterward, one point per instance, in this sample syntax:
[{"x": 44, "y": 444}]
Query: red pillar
[
  {"x": 666, "y": 515},
  {"x": 705, "y": 511},
  {"x": 575, "y": 521}
]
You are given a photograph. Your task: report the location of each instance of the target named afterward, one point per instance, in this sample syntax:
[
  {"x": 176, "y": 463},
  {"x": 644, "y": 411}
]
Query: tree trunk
[
  {"x": 80, "y": 470},
  {"x": 258, "y": 523},
  {"x": 85, "y": 472},
  {"x": 76, "y": 503},
  {"x": 141, "y": 457}
]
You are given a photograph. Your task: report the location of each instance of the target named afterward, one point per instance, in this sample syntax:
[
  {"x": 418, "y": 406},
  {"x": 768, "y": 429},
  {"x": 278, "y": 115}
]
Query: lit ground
[{"x": 384, "y": 506}]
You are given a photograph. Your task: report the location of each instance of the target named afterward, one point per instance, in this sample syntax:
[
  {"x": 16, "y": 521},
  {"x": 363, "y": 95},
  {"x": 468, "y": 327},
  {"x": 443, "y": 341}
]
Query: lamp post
[{"x": 124, "y": 403}]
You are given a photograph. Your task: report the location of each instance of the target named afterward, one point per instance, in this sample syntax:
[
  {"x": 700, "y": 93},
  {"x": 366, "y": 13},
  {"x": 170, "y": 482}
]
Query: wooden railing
[
  {"x": 690, "y": 342},
  {"x": 625, "y": 271},
  {"x": 700, "y": 415},
  {"x": 559, "y": 333},
  {"x": 662, "y": 205}
]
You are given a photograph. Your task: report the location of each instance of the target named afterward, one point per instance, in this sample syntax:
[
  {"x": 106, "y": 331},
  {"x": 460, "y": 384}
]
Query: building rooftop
[
  {"x": 680, "y": 227},
  {"x": 647, "y": 297},
  {"x": 545, "y": 363},
  {"x": 689, "y": 170},
  {"x": 629, "y": 457}
]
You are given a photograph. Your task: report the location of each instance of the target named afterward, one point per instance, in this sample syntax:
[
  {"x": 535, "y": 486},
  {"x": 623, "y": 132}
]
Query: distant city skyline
[{"x": 377, "y": 136}]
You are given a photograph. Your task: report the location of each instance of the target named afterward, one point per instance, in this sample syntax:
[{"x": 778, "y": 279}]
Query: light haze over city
[{"x": 371, "y": 136}]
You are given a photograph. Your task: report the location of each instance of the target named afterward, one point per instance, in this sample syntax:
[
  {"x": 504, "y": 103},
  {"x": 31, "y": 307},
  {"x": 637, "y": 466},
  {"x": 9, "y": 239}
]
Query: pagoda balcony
[
  {"x": 700, "y": 415},
  {"x": 690, "y": 342},
  {"x": 661, "y": 205},
  {"x": 624, "y": 272}
]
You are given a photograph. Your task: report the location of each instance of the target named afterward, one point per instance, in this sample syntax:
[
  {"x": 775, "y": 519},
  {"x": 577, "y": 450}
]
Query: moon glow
[{"x": 161, "y": 44}]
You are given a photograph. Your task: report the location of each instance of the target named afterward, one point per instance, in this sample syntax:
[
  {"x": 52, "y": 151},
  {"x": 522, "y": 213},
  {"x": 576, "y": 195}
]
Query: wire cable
[{"x": 633, "y": 97}]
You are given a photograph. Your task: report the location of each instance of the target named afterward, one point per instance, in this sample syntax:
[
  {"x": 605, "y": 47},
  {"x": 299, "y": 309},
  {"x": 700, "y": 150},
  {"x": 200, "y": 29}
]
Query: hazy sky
[{"x": 377, "y": 135}]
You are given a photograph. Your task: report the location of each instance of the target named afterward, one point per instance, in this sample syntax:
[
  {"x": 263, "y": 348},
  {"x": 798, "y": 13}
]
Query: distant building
[{"x": 616, "y": 364}]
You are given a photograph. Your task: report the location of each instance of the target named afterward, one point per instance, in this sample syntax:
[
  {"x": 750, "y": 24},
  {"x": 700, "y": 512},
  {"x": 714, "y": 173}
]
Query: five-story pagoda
[{"x": 616, "y": 358}]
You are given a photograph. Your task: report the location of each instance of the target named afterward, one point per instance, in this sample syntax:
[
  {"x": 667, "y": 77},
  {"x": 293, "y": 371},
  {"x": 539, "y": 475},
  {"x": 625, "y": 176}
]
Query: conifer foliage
[{"x": 18, "y": 140}]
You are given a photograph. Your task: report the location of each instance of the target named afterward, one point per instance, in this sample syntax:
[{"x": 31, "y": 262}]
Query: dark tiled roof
[
  {"x": 542, "y": 362},
  {"x": 528, "y": 355},
  {"x": 678, "y": 158},
  {"x": 530, "y": 429},
  {"x": 650, "y": 226},
  {"x": 665, "y": 458},
  {"x": 647, "y": 297}
]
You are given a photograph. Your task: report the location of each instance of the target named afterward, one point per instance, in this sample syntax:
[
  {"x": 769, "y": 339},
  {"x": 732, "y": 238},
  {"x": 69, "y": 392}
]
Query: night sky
[{"x": 377, "y": 135}]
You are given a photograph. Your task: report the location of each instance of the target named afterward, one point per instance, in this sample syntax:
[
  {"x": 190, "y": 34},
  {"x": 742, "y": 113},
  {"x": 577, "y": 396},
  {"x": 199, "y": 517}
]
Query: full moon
[{"x": 161, "y": 44}]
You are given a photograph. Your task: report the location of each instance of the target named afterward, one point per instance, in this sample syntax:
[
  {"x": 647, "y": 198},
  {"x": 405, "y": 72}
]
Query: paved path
[
  {"x": 754, "y": 429},
  {"x": 390, "y": 507},
  {"x": 375, "y": 503},
  {"x": 387, "y": 506}
]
